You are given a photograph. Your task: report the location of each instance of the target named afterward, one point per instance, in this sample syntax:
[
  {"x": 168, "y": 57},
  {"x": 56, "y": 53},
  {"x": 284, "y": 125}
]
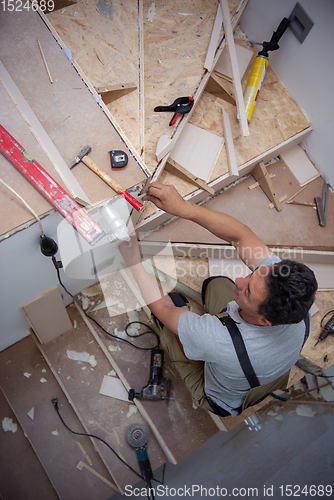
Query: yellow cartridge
[{"x": 254, "y": 84}]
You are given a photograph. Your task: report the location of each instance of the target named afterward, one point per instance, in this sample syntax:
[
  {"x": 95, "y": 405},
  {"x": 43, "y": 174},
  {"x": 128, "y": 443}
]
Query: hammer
[{"x": 82, "y": 156}]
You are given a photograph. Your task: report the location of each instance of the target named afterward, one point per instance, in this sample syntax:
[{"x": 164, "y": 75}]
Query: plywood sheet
[
  {"x": 197, "y": 150},
  {"x": 300, "y": 165},
  {"x": 66, "y": 109},
  {"x": 223, "y": 65},
  {"x": 21, "y": 370},
  {"x": 100, "y": 415},
  {"x": 47, "y": 315}
]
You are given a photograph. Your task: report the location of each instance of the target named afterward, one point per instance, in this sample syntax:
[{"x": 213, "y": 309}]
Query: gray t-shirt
[{"x": 272, "y": 351}]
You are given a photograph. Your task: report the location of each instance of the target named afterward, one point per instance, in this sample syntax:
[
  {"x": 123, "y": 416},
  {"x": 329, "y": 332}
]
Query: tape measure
[{"x": 118, "y": 159}]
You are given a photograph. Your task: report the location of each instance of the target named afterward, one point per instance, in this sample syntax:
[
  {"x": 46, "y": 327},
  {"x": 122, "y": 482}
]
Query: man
[{"x": 268, "y": 306}]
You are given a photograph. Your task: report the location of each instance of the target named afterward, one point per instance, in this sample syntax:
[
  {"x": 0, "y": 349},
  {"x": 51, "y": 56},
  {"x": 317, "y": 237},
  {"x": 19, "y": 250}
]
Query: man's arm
[
  {"x": 250, "y": 247},
  {"x": 159, "y": 303}
]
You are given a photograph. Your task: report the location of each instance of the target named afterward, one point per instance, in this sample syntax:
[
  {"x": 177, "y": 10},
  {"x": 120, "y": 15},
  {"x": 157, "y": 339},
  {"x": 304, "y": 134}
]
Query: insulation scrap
[
  {"x": 114, "y": 348},
  {"x": 133, "y": 409},
  {"x": 43, "y": 380},
  {"x": 31, "y": 413},
  {"x": 305, "y": 411},
  {"x": 151, "y": 12},
  {"x": 9, "y": 425},
  {"x": 27, "y": 375},
  {"x": 55, "y": 433},
  {"x": 82, "y": 356}
]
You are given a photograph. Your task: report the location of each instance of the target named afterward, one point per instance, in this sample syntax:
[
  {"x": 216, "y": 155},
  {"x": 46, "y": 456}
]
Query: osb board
[
  {"x": 100, "y": 415},
  {"x": 66, "y": 109},
  {"x": 182, "y": 428},
  {"x": 103, "y": 38},
  {"x": 293, "y": 226},
  {"x": 276, "y": 118},
  {"x": 323, "y": 354},
  {"x": 22, "y": 475},
  {"x": 59, "y": 453}
]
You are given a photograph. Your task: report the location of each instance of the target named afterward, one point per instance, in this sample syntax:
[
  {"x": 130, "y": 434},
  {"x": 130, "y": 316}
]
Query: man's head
[
  {"x": 291, "y": 291},
  {"x": 278, "y": 294}
]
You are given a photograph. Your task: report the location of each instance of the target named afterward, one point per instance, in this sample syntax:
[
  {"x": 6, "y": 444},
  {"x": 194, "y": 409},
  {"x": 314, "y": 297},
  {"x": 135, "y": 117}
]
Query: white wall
[
  {"x": 26, "y": 273},
  {"x": 306, "y": 69}
]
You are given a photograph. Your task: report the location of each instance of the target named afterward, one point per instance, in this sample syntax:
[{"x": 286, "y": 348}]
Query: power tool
[
  {"x": 259, "y": 68},
  {"x": 327, "y": 329},
  {"x": 157, "y": 387},
  {"x": 137, "y": 437}
]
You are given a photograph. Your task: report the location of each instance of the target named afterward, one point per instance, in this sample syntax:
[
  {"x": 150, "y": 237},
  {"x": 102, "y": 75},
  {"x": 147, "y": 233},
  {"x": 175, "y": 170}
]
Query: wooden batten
[{"x": 261, "y": 175}]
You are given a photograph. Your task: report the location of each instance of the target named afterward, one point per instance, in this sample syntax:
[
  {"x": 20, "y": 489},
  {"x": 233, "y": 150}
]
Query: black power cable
[
  {"x": 102, "y": 328},
  {"x": 55, "y": 400}
]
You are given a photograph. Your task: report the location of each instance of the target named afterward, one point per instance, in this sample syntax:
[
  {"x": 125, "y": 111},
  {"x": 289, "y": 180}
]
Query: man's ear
[{"x": 263, "y": 321}]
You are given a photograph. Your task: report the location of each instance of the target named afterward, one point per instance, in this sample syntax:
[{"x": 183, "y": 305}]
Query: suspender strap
[
  {"x": 307, "y": 328},
  {"x": 241, "y": 351}
]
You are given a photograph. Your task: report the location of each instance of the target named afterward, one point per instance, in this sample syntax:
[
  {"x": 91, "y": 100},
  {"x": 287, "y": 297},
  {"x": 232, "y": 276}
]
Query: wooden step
[
  {"x": 102, "y": 416},
  {"x": 22, "y": 374}
]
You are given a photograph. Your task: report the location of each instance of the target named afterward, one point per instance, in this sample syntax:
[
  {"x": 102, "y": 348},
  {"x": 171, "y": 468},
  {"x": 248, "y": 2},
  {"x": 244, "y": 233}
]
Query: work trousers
[{"x": 217, "y": 292}]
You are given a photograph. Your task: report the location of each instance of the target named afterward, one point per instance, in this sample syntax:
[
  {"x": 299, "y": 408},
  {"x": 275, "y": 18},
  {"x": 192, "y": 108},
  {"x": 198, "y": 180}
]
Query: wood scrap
[
  {"x": 231, "y": 158},
  {"x": 174, "y": 167},
  {"x": 261, "y": 175},
  {"x": 256, "y": 184},
  {"x": 45, "y": 63},
  {"x": 280, "y": 199},
  {"x": 47, "y": 315},
  {"x": 82, "y": 465},
  {"x": 223, "y": 65},
  {"x": 110, "y": 93},
  {"x": 216, "y": 86}
]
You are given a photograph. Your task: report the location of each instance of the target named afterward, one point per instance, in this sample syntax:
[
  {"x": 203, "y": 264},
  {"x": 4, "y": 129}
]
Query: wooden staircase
[{"x": 32, "y": 373}]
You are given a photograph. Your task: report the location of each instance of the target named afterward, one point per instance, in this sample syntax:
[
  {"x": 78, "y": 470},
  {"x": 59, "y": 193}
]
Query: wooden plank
[
  {"x": 261, "y": 175},
  {"x": 300, "y": 165},
  {"x": 235, "y": 68},
  {"x": 197, "y": 150},
  {"x": 74, "y": 188},
  {"x": 208, "y": 63},
  {"x": 92, "y": 408},
  {"x": 22, "y": 368},
  {"x": 174, "y": 167},
  {"x": 47, "y": 315},
  {"x": 231, "y": 159}
]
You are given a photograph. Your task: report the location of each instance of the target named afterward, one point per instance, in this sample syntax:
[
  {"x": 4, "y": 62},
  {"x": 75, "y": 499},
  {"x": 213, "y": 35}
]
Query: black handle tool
[{"x": 180, "y": 106}]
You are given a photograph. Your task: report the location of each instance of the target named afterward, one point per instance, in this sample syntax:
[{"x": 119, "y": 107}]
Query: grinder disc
[{"x": 137, "y": 435}]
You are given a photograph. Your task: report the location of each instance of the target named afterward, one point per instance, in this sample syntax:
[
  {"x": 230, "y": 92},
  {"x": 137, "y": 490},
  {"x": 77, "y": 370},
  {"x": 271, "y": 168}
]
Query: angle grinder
[{"x": 137, "y": 436}]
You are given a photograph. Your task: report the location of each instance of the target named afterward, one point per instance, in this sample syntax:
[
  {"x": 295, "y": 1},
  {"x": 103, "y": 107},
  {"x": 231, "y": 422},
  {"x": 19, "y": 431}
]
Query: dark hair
[{"x": 292, "y": 288}]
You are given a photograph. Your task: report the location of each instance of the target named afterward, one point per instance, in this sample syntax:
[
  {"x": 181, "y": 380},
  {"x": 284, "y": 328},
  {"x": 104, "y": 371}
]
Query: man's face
[{"x": 250, "y": 292}]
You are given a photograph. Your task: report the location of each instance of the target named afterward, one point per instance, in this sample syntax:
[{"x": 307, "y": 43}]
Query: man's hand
[{"x": 166, "y": 198}]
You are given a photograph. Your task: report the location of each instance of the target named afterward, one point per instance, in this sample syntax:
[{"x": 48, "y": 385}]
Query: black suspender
[{"x": 241, "y": 350}]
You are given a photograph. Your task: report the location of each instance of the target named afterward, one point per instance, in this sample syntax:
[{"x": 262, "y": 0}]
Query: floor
[{"x": 288, "y": 450}]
